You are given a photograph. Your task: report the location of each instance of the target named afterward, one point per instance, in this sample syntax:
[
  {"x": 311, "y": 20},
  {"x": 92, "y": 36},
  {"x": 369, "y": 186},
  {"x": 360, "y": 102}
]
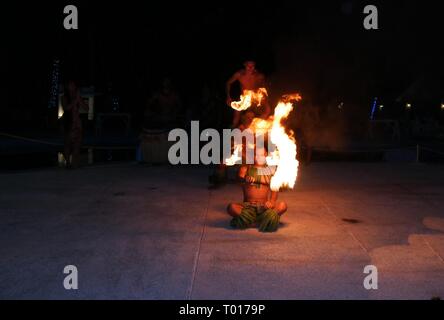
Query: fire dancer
[
  {"x": 260, "y": 202},
  {"x": 72, "y": 124},
  {"x": 249, "y": 79}
]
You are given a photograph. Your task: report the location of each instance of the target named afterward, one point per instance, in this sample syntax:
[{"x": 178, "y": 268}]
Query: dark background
[{"x": 319, "y": 48}]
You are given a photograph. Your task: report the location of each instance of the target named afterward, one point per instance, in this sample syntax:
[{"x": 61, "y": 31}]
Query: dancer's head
[{"x": 250, "y": 66}]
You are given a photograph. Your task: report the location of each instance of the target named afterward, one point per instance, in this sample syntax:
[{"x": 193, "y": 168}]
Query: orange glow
[
  {"x": 248, "y": 98},
  {"x": 284, "y": 156}
]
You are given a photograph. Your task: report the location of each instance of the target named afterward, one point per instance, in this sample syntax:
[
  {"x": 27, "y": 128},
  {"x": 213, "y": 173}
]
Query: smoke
[{"x": 334, "y": 107}]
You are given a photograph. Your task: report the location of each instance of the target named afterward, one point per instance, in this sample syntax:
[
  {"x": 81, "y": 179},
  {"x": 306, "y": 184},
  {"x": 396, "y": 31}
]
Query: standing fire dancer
[
  {"x": 249, "y": 79},
  {"x": 72, "y": 124}
]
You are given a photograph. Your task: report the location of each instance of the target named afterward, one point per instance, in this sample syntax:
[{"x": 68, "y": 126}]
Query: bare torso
[
  {"x": 255, "y": 193},
  {"x": 251, "y": 81},
  {"x": 73, "y": 108}
]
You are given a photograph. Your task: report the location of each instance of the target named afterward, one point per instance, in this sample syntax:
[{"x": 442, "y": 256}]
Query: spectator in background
[
  {"x": 72, "y": 124},
  {"x": 163, "y": 108},
  {"x": 210, "y": 111}
]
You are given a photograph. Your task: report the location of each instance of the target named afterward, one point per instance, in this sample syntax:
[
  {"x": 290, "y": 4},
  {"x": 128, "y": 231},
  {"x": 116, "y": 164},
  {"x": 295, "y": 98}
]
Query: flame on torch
[
  {"x": 286, "y": 152},
  {"x": 248, "y": 98},
  {"x": 285, "y": 155}
]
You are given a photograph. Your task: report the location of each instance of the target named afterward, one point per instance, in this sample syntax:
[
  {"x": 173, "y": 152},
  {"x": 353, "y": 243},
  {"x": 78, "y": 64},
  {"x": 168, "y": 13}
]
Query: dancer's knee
[
  {"x": 234, "y": 209},
  {"x": 281, "y": 208}
]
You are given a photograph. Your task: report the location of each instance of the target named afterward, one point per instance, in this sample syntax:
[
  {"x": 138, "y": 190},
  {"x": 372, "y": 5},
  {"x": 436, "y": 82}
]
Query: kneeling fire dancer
[{"x": 260, "y": 206}]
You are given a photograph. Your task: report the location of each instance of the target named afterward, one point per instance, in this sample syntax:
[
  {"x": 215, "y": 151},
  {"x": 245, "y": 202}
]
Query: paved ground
[{"x": 159, "y": 233}]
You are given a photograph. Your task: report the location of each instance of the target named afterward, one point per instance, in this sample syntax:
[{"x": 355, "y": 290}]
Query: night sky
[{"x": 317, "y": 47}]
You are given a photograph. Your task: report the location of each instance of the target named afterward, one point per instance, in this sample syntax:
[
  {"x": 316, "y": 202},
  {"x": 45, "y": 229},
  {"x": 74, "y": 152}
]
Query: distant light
[
  {"x": 60, "y": 108},
  {"x": 381, "y": 107},
  {"x": 442, "y": 106},
  {"x": 61, "y": 159},
  {"x": 408, "y": 105},
  {"x": 60, "y": 112}
]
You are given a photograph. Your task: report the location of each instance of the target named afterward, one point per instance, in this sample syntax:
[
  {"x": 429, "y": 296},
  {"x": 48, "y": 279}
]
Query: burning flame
[
  {"x": 248, "y": 98},
  {"x": 284, "y": 157}
]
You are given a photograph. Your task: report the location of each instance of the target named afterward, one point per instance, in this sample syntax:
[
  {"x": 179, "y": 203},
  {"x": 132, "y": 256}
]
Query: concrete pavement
[{"x": 160, "y": 233}]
